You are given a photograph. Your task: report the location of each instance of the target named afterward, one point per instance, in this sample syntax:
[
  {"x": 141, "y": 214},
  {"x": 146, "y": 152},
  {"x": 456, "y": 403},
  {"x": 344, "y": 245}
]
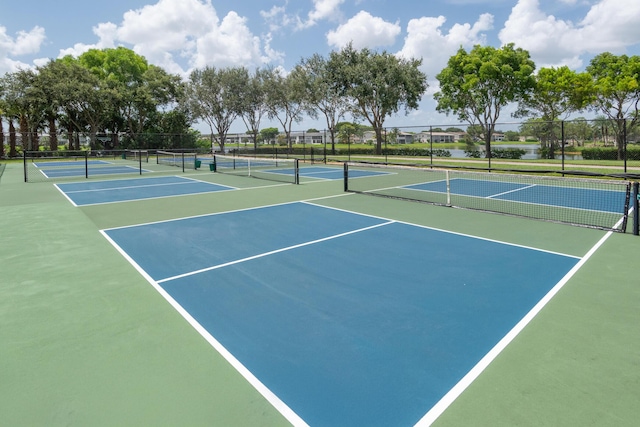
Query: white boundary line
[
  {"x": 288, "y": 248},
  {"x": 271, "y": 397},
  {"x": 287, "y": 412},
  {"x": 446, "y": 231},
  {"x": 457, "y": 390}
]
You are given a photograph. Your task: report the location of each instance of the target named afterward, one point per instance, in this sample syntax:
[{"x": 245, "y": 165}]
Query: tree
[
  {"x": 322, "y": 94},
  {"x": 253, "y": 105},
  {"x": 214, "y": 96},
  {"x": 80, "y": 97},
  {"x": 269, "y": 134},
  {"x": 379, "y": 83},
  {"x": 285, "y": 99},
  {"x": 477, "y": 85},
  {"x": 616, "y": 82},
  {"x": 578, "y": 131},
  {"x": 557, "y": 92}
]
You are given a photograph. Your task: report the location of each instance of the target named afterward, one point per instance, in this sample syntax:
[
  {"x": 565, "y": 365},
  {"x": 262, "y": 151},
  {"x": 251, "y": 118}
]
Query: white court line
[
  {"x": 270, "y": 396},
  {"x": 512, "y": 191},
  {"x": 132, "y": 187},
  {"x": 457, "y": 390},
  {"x": 447, "y": 231},
  {"x": 288, "y": 248}
]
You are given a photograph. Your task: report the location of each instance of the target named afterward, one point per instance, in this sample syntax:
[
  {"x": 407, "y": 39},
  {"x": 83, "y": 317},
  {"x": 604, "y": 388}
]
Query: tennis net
[
  {"x": 136, "y": 155},
  {"x": 282, "y": 170},
  {"x": 184, "y": 160},
  {"x": 595, "y": 203}
]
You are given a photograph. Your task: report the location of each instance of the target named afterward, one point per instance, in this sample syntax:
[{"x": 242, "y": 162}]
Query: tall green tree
[
  {"x": 253, "y": 105},
  {"x": 616, "y": 82},
  {"x": 213, "y": 95},
  {"x": 557, "y": 92},
  {"x": 477, "y": 85},
  {"x": 322, "y": 94},
  {"x": 285, "y": 98},
  {"x": 379, "y": 83},
  {"x": 85, "y": 102}
]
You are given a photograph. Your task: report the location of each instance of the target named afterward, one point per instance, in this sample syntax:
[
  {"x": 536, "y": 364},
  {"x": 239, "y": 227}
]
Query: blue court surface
[
  {"x": 354, "y": 321},
  {"x": 569, "y": 197},
  {"x": 70, "y": 163},
  {"x": 329, "y": 173},
  {"x": 96, "y": 192},
  {"x": 78, "y": 169}
]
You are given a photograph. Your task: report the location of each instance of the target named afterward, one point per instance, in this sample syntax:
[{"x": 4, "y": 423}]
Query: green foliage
[
  {"x": 379, "y": 83},
  {"x": 476, "y": 85},
  {"x": 508, "y": 153},
  {"x": 474, "y": 154},
  {"x": 557, "y": 91},
  {"x": 499, "y": 153},
  {"x": 609, "y": 153}
]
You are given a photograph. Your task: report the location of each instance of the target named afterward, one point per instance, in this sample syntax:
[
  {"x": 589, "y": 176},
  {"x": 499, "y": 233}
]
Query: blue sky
[{"x": 181, "y": 35}]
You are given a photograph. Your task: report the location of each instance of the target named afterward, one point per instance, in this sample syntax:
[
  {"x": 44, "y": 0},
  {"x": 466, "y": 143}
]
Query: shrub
[{"x": 508, "y": 153}]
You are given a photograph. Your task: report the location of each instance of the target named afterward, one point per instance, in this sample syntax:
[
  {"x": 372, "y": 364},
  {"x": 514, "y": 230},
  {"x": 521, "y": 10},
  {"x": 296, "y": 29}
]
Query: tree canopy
[
  {"x": 379, "y": 83},
  {"x": 477, "y": 85}
]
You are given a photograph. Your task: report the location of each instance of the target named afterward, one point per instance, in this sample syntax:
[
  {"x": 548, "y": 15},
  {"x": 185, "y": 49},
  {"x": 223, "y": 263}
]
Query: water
[{"x": 532, "y": 152}]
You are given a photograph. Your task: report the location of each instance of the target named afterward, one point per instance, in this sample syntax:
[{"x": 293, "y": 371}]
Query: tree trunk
[
  {"x": 378, "y": 131},
  {"x": 53, "y": 134},
  {"x": 1, "y": 139},
  {"x": 12, "y": 140}
]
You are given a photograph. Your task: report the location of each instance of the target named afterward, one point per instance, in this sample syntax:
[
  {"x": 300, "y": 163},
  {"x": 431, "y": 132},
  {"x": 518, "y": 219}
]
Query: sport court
[
  {"x": 378, "y": 338},
  {"x": 111, "y": 191},
  {"x": 299, "y": 298},
  {"x": 78, "y": 168}
]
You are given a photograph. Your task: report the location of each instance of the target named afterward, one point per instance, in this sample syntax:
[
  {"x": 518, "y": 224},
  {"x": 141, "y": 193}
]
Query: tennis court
[
  {"x": 79, "y": 169},
  {"x": 277, "y": 304},
  {"x": 580, "y": 198},
  {"x": 111, "y": 191},
  {"x": 299, "y": 329}
]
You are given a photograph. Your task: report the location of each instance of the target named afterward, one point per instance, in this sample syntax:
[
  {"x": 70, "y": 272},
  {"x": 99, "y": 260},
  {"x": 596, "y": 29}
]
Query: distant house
[{"x": 405, "y": 138}]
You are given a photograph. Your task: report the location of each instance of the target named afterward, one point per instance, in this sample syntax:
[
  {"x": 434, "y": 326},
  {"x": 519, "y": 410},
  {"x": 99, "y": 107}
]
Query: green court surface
[{"x": 86, "y": 340}]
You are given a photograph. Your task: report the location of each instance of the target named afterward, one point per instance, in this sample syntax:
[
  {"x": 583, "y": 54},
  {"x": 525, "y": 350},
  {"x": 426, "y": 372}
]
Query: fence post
[
  {"x": 636, "y": 205},
  {"x": 562, "y": 141},
  {"x": 346, "y": 176}
]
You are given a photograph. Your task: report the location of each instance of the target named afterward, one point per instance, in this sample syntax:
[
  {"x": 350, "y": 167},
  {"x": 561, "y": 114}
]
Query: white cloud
[
  {"x": 25, "y": 43},
  {"x": 276, "y": 17},
  {"x": 107, "y": 34},
  {"x": 179, "y": 35},
  {"x": 610, "y": 25},
  {"x": 323, "y": 10},
  {"x": 426, "y": 39},
  {"x": 364, "y": 30}
]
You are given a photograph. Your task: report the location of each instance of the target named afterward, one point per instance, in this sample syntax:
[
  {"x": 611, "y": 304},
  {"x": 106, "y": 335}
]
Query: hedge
[{"x": 609, "y": 153}]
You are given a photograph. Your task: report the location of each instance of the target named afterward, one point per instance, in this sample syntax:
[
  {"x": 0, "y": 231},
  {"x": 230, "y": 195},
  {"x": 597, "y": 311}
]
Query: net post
[
  {"x": 86, "y": 164},
  {"x": 346, "y": 176},
  {"x": 296, "y": 171},
  {"x": 24, "y": 157},
  {"x": 446, "y": 173},
  {"x": 183, "y": 162},
  {"x": 636, "y": 214},
  {"x": 140, "y": 160}
]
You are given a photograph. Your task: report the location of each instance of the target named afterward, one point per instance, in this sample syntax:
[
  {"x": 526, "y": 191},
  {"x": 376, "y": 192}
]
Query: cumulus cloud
[
  {"x": 107, "y": 35},
  {"x": 426, "y": 39},
  {"x": 323, "y": 10},
  {"x": 24, "y": 43},
  {"x": 364, "y": 30},
  {"x": 179, "y": 35},
  {"x": 608, "y": 26}
]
